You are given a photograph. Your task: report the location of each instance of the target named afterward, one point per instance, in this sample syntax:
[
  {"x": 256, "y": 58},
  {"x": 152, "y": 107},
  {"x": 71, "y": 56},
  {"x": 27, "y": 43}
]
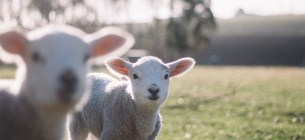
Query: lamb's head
[
  {"x": 56, "y": 61},
  {"x": 149, "y": 76}
]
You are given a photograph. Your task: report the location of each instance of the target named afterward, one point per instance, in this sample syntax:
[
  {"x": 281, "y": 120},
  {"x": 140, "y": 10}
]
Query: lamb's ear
[
  {"x": 118, "y": 66},
  {"x": 181, "y": 66},
  {"x": 12, "y": 43},
  {"x": 110, "y": 41}
]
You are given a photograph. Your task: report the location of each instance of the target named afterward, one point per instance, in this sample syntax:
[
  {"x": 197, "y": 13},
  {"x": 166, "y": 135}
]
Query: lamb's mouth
[
  {"x": 153, "y": 98},
  {"x": 66, "y": 94}
]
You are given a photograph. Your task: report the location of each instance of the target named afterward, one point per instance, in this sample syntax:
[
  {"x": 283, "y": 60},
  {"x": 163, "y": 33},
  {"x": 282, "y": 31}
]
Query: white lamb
[
  {"x": 127, "y": 110},
  {"x": 6, "y": 84},
  {"x": 52, "y": 67}
]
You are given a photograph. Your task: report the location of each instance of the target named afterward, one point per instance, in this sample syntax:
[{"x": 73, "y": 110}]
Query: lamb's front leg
[{"x": 77, "y": 127}]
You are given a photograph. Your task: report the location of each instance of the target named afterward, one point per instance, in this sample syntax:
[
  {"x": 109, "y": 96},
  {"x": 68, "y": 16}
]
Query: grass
[
  {"x": 7, "y": 72},
  {"x": 236, "y": 103},
  {"x": 233, "y": 103}
]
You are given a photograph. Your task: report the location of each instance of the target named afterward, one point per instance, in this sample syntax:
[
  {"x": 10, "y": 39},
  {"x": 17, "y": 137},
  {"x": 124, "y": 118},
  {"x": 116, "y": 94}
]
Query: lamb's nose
[
  {"x": 68, "y": 79},
  {"x": 153, "y": 89}
]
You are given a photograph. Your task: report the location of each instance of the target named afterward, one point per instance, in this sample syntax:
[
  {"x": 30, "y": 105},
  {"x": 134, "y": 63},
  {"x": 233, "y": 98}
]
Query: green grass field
[
  {"x": 236, "y": 103},
  {"x": 232, "y": 103}
]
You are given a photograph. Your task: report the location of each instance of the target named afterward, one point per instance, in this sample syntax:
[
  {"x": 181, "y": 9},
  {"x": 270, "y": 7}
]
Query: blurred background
[{"x": 215, "y": 32}]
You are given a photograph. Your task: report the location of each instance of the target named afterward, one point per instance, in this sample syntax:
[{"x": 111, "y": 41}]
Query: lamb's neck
[
  {"x": 50, "y": 125},
  {"x": 52, "y": 119},
  {"x": 148, "y": 110},
  {"x": 146, "y": 119},
  {"x": 55, "y": 123}
]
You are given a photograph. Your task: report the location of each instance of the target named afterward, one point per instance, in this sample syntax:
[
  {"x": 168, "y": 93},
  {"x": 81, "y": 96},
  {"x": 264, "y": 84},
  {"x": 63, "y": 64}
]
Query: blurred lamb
[
  {"x": 52, "y": 65},
  {"x": 6, "y": 84},
  {"x": 127, "y": 110}
]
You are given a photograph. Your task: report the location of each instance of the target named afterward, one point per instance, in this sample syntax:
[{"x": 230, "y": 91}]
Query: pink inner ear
[
  {"x": 13, "y": 42},
  {"x": 107, "y": 44},
  {"x": 181, "y": 67},
  {"x": 118, "y": 67}
]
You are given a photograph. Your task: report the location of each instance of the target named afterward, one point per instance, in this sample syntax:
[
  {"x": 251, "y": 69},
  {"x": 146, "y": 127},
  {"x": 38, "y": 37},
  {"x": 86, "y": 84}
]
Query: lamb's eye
[
  {"x": 135, "y": 76},
  {"x": 36, "y": 57},
  {"x": 166, "y": 76}
]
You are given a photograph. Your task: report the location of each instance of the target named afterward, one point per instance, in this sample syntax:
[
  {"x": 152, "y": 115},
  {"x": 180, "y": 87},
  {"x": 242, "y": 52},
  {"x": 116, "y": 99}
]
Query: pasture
[{"x": 227, "y": 102}]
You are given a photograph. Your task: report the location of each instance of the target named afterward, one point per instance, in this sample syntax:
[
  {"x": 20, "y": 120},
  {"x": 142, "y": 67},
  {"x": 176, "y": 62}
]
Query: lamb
[
  {"x": 127, "y": 110},
  {"x": 6, "y": 84},
  {"x": 52, "y": 63}
]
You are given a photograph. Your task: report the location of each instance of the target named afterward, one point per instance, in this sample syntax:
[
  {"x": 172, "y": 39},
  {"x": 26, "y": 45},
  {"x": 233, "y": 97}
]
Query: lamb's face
[
  {"x": 55, "y": 59},
  {"x": 150, "y": 81},
  {"x": 56, "y": 69},
  {"x": 149, "y": 76}
]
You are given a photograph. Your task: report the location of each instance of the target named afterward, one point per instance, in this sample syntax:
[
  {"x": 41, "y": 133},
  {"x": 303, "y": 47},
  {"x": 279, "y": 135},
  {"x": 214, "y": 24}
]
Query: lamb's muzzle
[
  {"x": 69, "y": 83},
  {"x": 154, "y": 90}
]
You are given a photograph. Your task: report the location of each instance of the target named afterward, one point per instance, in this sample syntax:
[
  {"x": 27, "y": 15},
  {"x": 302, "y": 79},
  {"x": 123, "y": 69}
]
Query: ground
[{"x": 228, "y": 102}]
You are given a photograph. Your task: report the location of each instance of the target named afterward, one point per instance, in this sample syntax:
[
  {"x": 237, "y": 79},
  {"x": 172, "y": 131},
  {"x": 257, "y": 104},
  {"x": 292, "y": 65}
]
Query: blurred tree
[
  {"x": 32, "y": 13},
  {"x": 190, "y": 32},
  {"x": 186, "y": 31}
]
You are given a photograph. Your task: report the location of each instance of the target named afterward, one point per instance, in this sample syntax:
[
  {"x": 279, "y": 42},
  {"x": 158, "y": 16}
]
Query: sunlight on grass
[
  {"x": 7, "y": 72},
  {"x": 232, "y": 103},
  {"x": 236, "y": 103}
]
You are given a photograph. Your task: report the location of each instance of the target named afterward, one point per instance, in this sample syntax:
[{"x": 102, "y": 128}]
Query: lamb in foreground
[
  {"x": 127, "y": 110},
  {"x": 52, "y": 63}
]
